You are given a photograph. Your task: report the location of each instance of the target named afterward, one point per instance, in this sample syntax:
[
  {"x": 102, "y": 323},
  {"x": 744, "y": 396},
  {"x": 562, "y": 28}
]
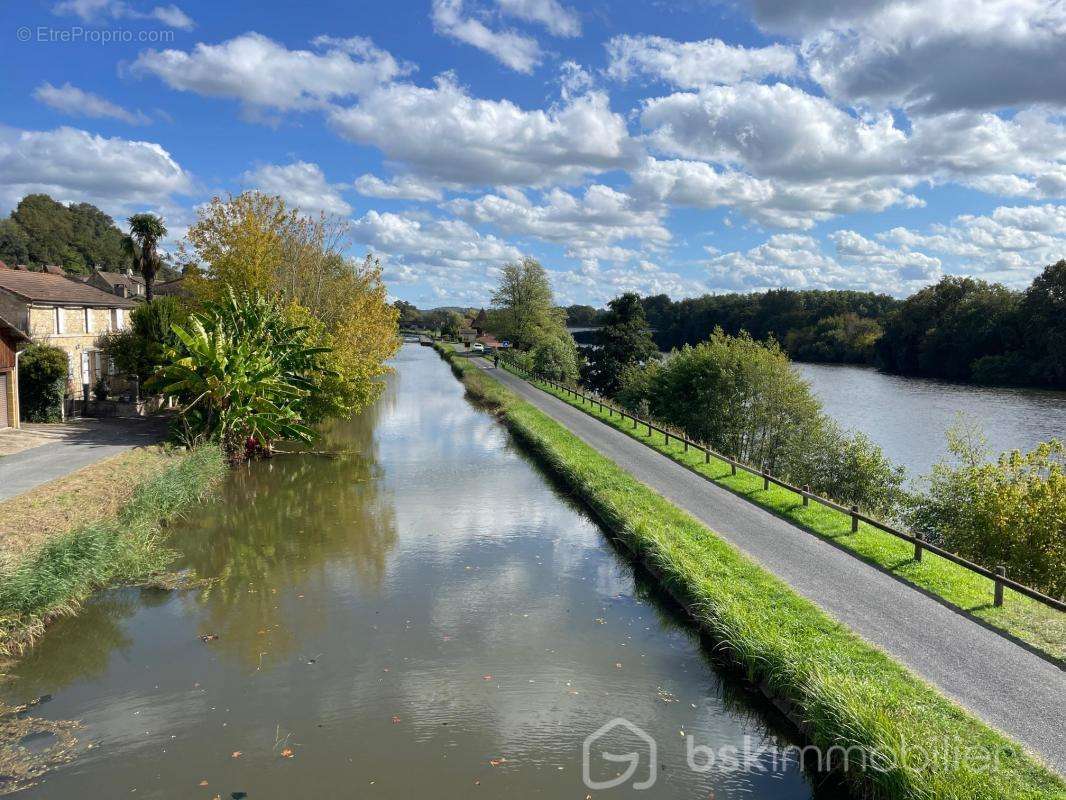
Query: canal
[{"x": 421, "y": 614}]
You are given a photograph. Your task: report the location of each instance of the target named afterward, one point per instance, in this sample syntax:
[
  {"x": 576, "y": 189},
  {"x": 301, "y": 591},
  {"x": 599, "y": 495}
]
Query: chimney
[
  {"x": 120, "y": 289},
  {"x": 129, "y": 272}
]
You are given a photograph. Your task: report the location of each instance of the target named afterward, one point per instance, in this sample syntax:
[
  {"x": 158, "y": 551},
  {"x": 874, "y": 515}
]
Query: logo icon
[{"x": 632, "y": 758}]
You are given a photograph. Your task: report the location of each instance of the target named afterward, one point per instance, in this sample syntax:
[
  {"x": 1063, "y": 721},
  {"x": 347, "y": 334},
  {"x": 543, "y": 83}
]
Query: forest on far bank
[{"x": 959, "y": 329}]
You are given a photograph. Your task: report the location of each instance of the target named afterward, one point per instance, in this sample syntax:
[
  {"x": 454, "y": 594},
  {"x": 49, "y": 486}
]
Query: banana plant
[{"x": 242, "y": 375}]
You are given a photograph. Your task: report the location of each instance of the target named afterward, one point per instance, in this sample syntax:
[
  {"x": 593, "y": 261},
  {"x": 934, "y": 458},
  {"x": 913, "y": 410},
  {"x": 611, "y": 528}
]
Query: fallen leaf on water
[
  {"x": 486, "y": 677},
  {"x": 287, "y": 753},
  {"x": 208, "y": 637},
  {"x": 236, "y": 754},
  {"x": 203, "y": 783},
  {"x": 618, "y": 665},
  {"x": 395, "y": 718},
  {"x": 497, "y": 761}
]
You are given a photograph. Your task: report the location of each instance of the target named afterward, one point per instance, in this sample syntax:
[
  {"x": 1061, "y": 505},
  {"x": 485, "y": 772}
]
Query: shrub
[
  {"x": 745, "y": 400},
  {"x": 139, "y": 350},
  {"x": 556, "y": 356},
  {"x": 1010, "y": 512},
  {"x": 42, "y": 383}
]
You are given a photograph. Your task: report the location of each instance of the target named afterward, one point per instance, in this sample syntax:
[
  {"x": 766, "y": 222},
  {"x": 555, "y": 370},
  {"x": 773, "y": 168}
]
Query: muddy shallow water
[{"x": 425, "y": 616}]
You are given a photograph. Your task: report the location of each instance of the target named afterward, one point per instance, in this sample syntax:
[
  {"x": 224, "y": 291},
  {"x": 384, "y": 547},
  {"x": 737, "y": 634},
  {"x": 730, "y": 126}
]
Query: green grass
[
  {"x": 55, "y": 579},
  {"x": 1034, "y": 623},
  {"x": 843, "y": 692}
]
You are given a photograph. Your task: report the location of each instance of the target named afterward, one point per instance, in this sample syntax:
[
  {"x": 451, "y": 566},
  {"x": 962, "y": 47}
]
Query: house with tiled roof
[
  {"x": 65, "y": 313},
  {"x": 123, "y": 284}
]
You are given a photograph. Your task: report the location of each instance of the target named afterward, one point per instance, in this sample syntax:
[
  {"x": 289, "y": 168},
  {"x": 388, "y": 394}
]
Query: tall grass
[
  {"x": 840, "y": 691},
  {"x": 57, "y": 578}
]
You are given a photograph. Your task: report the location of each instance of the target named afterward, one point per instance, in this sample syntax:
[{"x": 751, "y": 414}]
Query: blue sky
[{"x": 681, "y": 147}]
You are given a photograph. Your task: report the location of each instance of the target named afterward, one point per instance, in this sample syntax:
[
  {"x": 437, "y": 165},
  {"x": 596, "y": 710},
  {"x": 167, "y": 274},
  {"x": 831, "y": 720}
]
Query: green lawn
[
  {"x": 1034, "y": 623},
  {"x": 844, "y": 692}
]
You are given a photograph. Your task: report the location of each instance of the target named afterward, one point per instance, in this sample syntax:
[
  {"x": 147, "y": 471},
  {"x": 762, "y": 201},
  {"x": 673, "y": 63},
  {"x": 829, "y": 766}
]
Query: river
[
  {"x": 909, "y": 417},
  {"x": 423, "y": 616}
]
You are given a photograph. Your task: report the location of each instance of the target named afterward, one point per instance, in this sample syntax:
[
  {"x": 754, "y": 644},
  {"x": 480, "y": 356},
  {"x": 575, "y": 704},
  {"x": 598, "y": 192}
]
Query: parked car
[{"x": 479, "y": 347}]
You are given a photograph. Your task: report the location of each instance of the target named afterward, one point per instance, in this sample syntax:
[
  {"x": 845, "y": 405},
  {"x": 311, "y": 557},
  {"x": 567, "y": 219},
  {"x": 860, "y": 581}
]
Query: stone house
[{"x": 65, "y": 313}]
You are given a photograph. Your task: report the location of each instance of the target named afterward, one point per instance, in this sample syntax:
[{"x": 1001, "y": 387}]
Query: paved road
[
  {"x": 1009, "y": 687},
  {"x": 75, "y": 445}
]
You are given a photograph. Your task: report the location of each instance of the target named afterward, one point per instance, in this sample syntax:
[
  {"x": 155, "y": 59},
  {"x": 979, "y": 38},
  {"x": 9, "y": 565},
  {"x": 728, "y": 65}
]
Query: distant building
[
  {"x": 67, "y": 314},
  {"x": 178, "y": 287},
  {"x": 467, "y": 335},
  {"x": 123, "y": 284}
]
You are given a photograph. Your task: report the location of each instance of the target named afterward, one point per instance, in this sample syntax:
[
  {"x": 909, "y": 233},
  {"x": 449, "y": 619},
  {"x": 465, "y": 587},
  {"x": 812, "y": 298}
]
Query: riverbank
[
  {"x": 842, "y": 692},
  {"x": 94, "y": 527},
  {"x": 1032, "y": 623}
]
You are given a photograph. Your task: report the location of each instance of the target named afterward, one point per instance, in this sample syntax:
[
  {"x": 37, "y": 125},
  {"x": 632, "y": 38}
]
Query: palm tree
[{"x": 146, "y": 230}]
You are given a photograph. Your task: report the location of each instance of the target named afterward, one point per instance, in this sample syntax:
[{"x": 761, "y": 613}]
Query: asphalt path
[{"x": 1011, "y": 688}]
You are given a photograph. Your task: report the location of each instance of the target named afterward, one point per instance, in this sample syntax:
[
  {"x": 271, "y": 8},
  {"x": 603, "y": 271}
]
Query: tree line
[{"x": 960, "y": 329}]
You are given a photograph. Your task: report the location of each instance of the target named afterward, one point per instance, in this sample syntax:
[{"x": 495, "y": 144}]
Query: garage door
[{"x": 3, "y": 400}]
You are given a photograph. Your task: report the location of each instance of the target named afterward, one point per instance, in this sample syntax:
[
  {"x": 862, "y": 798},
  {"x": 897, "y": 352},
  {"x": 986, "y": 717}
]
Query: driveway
[{"x": 57, "y": 450}]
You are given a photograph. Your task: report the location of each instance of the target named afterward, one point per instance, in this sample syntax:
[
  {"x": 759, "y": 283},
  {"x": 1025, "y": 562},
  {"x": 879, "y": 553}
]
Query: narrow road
[
  {"x": 1004, "y": 684},
  {"x": 76, "y": 445}
]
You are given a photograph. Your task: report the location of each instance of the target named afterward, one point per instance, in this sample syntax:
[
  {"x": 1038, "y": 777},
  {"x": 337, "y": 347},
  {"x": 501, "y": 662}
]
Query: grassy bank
[
  {"x": 97, "y": 526},
  {"x": 1031, "y": 622},
  {"x": 841, "y": 691}
]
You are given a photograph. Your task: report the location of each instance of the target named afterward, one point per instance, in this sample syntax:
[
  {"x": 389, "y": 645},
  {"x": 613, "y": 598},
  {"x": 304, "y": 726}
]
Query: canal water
[
  {"x": 910, "y": 417},
  {"x": 424, "y": 615}
]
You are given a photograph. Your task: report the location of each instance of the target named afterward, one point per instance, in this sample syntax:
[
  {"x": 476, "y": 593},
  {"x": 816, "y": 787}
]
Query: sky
[{"x": 680, "y": 147}]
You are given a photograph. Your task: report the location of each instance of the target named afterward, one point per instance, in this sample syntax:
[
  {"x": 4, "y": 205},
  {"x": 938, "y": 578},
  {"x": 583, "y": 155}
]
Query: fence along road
[{"x": 1009, "y": 687}]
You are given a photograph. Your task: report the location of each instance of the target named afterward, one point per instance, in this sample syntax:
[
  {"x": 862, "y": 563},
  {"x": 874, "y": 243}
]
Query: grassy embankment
[
  {"x": 841, "y": 691},
  {"x": 97, "y": 526},
  {"x": 1036, "y": 624}
]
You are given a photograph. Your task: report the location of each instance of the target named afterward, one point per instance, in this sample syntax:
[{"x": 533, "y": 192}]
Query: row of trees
[
  {"x": 969, "y": 330},
  {"x": 960, "y": 329},
  {"x": 279, "y": 330}
]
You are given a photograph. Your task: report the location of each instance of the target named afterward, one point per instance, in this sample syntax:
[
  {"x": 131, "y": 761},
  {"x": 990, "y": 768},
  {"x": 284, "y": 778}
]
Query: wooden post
[
  {"x": 706, "y": 456},
  {"x": 649, "y": 429},
  {"x": 806, "y": 495},
  {"x": 686, "y": 444},
  {"x": 918, "y": 546},
  {"x": 1001, "y": 572},
  {"x": 732, "y": 467},
  {"x": 854, "y": 519},
  {"x": 765, "y": 480}
]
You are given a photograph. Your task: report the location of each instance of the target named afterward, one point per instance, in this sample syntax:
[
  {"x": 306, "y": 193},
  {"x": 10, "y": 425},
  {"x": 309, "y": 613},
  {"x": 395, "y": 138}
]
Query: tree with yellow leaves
[{"x": 255, "y": 242}]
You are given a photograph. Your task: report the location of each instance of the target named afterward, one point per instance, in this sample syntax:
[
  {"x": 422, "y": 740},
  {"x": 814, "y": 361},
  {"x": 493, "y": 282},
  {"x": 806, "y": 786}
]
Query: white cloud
[
  {"x": 1011, "y": 245},
  {"x": 442, "y": 134},
  {"x": 402, "y": 187},
  {"x": 520, "y": 53},
  {"x": 71, "y": 100},
  {"x": 797, "y": 261},
  {"x": 97, "y": 11},
  {"x": 801, "y": 159},
  {"x": 302, "y": 185},
  {"x": 75, "y": 165},
  {"x": 265, "y": 74},
  {"x": 592, "y": 283},
  {"x": 433, "y": 246},
  {"x": 586, "y": 224},
  {"x": 694, "y": 65},
  {"x": 930, "y": 56},
  {"x": 557, "y": 18}
]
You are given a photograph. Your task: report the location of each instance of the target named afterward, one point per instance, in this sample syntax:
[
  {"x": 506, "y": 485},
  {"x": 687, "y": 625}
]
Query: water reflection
[{"x": 421, "y": 616}]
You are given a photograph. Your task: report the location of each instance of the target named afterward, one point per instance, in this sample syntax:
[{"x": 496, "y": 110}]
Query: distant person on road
[{"x": 496, "y": 360}]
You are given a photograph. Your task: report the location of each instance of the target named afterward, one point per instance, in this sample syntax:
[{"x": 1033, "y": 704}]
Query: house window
[{"x": 117, "y": 320}]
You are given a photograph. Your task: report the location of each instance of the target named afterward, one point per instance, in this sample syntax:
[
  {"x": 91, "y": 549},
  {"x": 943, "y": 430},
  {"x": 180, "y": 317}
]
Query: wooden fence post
[
  {"x": 918, "y": 546},
  {"x": 765, "y": 480},
  {"x": 706, "y": 456},
  {"x": 854, "y": 519},
  {"x": 806, "y": 494},
  {"x": 1001, "y": 572},
  {"x": 732, "y": 467}
]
